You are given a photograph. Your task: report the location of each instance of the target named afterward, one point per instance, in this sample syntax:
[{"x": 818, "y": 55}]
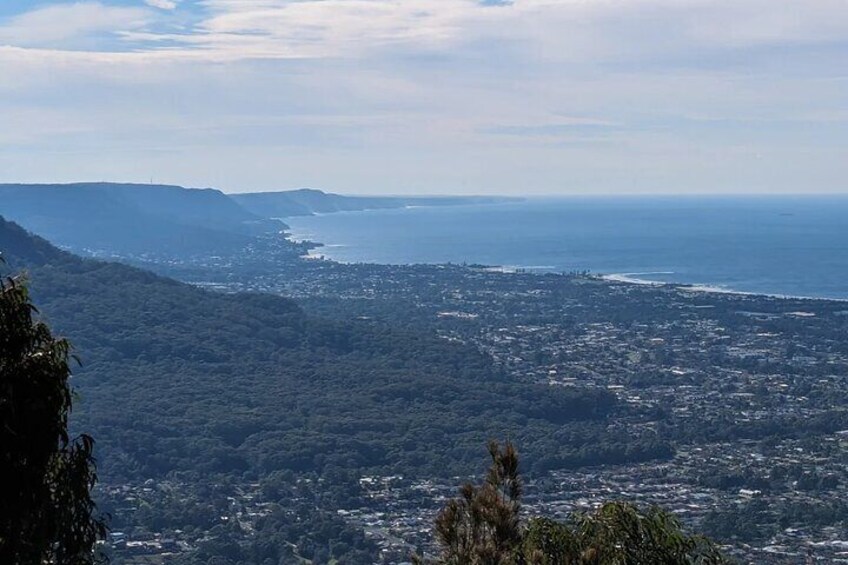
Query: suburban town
[{"x": 741, "y": 394}]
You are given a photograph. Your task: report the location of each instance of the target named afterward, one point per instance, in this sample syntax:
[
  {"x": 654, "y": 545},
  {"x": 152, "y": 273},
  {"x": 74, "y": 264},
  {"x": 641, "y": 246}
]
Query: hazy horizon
[{"x": 436, "y": 194}]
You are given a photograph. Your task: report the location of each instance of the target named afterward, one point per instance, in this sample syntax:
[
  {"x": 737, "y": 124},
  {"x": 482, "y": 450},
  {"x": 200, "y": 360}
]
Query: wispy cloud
[
  {"x": 554, "y": 30},
  {"x": 81, "y": 25},
  {"x": 162, "y": 4}
]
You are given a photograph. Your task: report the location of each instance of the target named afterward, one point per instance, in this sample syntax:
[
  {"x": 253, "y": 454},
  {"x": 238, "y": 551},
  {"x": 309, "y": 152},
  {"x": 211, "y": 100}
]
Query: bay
[{"x": 794, "y": 246}]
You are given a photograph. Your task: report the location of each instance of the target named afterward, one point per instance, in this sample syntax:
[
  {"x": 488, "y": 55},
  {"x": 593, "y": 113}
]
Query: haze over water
[{"x": 772, "y": 245}]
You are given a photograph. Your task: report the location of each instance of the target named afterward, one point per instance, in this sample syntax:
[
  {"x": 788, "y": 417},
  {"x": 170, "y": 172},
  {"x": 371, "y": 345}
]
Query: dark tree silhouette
[{"x": 47, "y": 514}]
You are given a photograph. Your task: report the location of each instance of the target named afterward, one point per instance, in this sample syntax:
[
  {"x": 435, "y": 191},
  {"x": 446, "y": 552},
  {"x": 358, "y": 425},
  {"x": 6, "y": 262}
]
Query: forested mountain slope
[
  {"x": 175, "y": 378},
  {"x": 132, "y": 219}
]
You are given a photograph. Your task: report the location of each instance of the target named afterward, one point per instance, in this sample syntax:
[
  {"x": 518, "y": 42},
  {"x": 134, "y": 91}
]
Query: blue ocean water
[{"x": 772, "y": 245}]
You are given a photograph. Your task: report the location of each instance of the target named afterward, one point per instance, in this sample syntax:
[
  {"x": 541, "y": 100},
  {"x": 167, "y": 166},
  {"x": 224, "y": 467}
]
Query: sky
[{"x": 429, "y": 96}]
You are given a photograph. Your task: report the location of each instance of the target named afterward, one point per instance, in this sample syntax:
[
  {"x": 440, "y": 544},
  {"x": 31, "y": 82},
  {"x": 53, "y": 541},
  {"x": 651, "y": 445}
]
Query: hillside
[
  {"x": 108, "y": 218},
  {"x": 166, "y": 222},
  {"x": 23, "y": 249},
  {"x": 176, "y": 378}
]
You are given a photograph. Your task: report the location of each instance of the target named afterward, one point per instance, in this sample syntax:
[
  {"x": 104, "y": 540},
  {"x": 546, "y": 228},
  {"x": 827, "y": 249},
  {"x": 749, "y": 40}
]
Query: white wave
[{"x": 630, "y": 278}]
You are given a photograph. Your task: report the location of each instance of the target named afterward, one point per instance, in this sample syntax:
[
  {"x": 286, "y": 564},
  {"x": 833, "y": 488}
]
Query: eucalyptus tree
[{"x": 47, "y": 515}]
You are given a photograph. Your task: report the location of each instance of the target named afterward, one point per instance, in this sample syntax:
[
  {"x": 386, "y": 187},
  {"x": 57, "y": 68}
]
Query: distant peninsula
[{"x": 308, "y": 202}]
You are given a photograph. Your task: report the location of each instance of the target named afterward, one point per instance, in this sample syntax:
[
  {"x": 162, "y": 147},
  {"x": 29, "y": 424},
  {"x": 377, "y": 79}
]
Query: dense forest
[
  {"x": 178, "y": 379},
  {"x": 221, "y": 389}
]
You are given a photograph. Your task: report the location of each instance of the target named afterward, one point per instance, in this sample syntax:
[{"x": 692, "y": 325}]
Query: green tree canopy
[
  {"x": 47, "y": 514},
  {"x": 482, "y": 524},
  {"x": 482, "y": 527}
]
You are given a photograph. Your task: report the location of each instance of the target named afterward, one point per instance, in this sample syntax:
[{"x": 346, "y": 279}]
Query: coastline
[
  {"x": 627, "y": 278},
  {"x": 313, "y": 254},
  {"x": 641, "y": 278}
]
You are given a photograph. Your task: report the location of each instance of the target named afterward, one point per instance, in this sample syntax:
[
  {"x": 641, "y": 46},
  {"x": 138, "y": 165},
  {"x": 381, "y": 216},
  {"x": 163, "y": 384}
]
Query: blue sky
[{"x": 429, "y": 96}]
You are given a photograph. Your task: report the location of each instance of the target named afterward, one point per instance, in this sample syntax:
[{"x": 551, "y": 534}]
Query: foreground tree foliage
[
  {"x": 482, "y": 524},
  {"x": 47, "y": 514},
  {"x": 482, "y": 527}
]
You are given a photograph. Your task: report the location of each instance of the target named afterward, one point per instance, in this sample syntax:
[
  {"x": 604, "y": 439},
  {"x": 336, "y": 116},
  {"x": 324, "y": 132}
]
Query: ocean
[{"x": 795, "y": 246}]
